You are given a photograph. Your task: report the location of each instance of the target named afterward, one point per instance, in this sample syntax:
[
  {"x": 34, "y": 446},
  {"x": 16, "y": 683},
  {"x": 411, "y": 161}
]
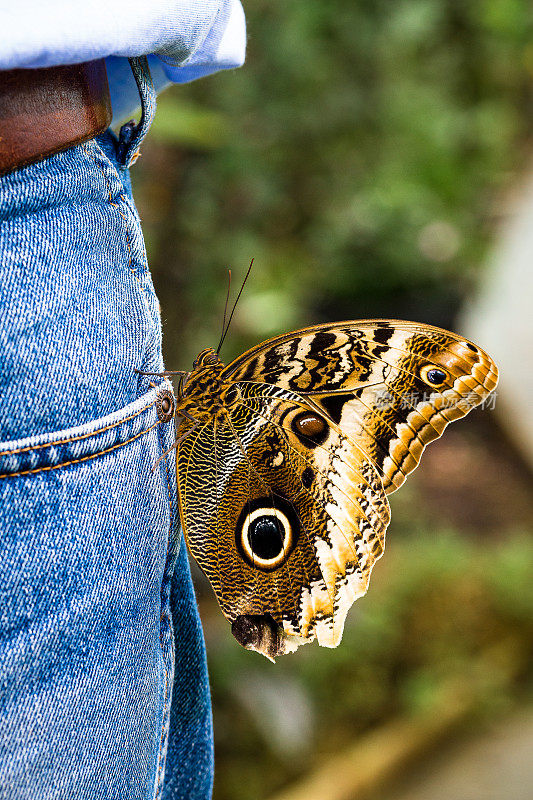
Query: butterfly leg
[
  {"x": 188, "y": 416},
  {"x": 163, "y": 374},
  {"x": 184, "y": 436}
]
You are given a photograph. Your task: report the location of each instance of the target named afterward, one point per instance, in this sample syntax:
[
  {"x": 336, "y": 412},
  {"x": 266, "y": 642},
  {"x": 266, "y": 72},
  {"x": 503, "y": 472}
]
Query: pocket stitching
[
  {"x": 79, "y": 460},
  {"x": 75, "y": 438}
]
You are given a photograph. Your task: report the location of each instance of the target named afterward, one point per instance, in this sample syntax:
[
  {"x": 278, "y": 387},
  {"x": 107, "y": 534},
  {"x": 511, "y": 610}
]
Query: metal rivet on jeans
[{"x": 165, "y": 405}]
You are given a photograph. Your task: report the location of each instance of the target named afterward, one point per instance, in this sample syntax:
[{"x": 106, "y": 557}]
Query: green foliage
[
  {"x": 360, "y": 156},
  {"x": 357, "y": 156},
  {"x": 435, "y": 603},
  {"x": 188, "y": 124}
]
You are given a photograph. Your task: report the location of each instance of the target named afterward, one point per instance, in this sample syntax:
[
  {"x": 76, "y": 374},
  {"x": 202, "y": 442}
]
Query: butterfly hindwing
[{"x": 291, "y": 526}]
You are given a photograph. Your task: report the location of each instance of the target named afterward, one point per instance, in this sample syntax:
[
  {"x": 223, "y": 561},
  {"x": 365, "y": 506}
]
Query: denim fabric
[{"x": 93, "y": 574}]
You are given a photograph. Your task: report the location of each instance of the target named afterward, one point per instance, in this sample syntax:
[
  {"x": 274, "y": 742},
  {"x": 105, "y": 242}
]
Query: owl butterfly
[{"x": 285, "y": 458}]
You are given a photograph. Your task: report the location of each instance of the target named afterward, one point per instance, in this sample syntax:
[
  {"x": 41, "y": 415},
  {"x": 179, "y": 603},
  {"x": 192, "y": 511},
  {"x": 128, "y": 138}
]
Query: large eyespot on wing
[
  {"x": 218, "y": 487},
  {"x": 285, "y": 516},
  {"x": 266, "y": 532}
]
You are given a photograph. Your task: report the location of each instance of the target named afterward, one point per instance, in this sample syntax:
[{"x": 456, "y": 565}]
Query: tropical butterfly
[{"x": 285, "y": 458}]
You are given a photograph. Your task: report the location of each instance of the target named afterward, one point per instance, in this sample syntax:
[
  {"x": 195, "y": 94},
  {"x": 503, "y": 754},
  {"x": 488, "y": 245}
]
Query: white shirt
[{"x": 185, "y": 39}]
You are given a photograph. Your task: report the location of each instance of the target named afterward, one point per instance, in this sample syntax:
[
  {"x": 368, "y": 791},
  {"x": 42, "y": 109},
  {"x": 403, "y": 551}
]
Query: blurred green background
[{"x": 363, "y": 156}]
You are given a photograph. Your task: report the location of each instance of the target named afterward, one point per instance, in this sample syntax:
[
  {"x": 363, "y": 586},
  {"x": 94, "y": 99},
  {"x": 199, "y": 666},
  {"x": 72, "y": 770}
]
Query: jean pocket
[
  {"x": 84, "y": 532},
  {"x": 79, "y": 311},
  {"x": 84, "y": 443}
]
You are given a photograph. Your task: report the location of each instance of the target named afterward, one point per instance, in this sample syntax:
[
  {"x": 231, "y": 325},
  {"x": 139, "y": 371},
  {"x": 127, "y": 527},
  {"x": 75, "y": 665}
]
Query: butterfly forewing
[{"x": 370, "y": 377}]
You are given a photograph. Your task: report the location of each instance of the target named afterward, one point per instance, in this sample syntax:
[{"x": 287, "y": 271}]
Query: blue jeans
[{"x": 103, "y": 684}]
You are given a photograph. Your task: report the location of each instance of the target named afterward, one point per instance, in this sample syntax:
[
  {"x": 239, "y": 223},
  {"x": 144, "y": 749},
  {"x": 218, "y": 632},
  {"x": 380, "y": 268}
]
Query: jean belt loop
[{"x": 131, "y": 135}]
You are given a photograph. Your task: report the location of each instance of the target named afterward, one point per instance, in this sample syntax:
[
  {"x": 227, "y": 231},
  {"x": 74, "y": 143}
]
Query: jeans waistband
[{"x": 131, "y": 134}]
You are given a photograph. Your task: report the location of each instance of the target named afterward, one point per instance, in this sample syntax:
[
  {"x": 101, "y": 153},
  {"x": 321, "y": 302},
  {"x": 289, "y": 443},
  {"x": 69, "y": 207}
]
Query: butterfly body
[
  {"x": 286, "y": 455},
  {"x": 203, "y": 392}
]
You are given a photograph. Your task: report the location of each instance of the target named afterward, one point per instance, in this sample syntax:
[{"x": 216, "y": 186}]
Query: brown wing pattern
[
  {"x": 371, "y": 378},
  {"x": 283, "y": 486},
  {"x": 255, "y": 463}
]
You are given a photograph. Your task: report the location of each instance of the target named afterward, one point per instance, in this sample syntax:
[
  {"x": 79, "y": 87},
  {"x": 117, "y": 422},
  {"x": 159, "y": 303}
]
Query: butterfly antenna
[
  {"x": 225, "y": 310},
  {"x": 234, "y": 307}
]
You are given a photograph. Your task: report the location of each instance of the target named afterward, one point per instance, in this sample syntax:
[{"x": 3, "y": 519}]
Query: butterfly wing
[
  {"x": 371, "y": 377},
  {"x": 283, "y": 493},
  {"x": 285, "y": 527}
]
